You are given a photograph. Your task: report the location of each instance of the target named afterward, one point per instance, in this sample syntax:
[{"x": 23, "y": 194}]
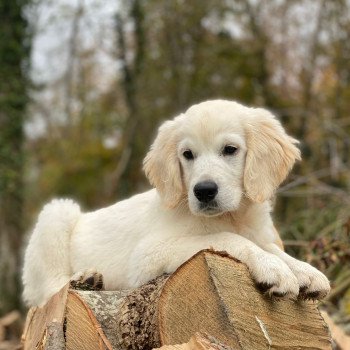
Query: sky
[{"x": 53, "y": 26}]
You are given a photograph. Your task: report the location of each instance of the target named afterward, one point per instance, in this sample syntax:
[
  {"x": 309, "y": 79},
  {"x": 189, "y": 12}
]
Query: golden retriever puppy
[{"x": 214, "y": 169}]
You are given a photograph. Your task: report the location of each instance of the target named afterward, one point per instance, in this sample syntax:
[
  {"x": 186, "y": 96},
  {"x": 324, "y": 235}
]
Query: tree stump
[{"x": 211, "y": 293}]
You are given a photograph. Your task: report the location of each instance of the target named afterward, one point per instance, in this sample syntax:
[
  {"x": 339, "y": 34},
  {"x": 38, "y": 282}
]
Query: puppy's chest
[{"x": 212, "y": 227}]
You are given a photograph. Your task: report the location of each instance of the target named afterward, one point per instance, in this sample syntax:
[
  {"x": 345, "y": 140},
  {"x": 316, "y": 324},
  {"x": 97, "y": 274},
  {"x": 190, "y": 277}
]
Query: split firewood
[
  {"x": 340, "y": 338},
  {"x": 210, "y": 293},
  {"x": 200, "y": 341}
]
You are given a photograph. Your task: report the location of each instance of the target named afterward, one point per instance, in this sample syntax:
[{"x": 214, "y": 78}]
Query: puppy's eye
[
  {"x": 188, "y": 154},
  {"x": 229, "y": 150}
]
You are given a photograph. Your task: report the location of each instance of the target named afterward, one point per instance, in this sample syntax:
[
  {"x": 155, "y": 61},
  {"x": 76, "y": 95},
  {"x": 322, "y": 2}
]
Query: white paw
[
  {"x": 313, "y": 284},
  {"x": 88, "y": 278},
  {"x": 273, "y": 276}
]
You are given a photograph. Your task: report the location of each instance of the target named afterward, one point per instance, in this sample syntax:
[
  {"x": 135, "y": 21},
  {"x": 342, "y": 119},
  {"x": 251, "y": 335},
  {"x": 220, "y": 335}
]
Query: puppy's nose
[{"x": 205, "y": 191}]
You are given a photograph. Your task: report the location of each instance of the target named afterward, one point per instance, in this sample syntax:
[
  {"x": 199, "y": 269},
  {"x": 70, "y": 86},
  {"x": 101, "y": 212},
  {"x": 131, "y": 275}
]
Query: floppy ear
[
  {"x": 162, "y": 166},
  {"x": 271, "y": 154}
]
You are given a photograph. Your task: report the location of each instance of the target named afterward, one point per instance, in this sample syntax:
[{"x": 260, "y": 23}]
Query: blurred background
[{"x": 85, "y": 83}]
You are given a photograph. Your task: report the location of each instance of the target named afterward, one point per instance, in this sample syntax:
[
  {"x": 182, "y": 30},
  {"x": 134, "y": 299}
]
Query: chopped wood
[
  {"x": 339, "y": 336},
  {"x": 54, "y": 336},
  {"x": 200, "y": 341},
  {"x": 83, "y": 331},
  {"x": 36, "y": 334},
  {"x": 211, "y": 293}
]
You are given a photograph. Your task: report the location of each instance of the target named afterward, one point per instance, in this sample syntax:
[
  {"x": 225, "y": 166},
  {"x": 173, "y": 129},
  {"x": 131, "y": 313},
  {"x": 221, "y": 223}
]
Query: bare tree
[{"x": 130, "y": 73}]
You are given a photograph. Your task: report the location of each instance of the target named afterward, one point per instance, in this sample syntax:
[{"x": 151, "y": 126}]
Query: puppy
[{"x": 214, "y": 169}]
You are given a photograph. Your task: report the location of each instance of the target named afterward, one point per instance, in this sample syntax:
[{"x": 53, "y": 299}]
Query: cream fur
[{"x": 154, "y": 232}]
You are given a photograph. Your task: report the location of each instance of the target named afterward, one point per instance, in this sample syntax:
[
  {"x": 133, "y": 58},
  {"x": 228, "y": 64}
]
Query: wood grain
[{"x": 212, "y": 293}]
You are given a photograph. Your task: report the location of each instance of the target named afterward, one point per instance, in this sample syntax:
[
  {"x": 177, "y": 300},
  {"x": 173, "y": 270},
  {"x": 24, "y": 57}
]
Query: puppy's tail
[{"x": 47, "y": 259}]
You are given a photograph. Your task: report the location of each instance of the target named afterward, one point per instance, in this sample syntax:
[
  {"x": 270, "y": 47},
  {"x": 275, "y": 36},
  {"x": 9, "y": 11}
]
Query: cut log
[
  {"x": 340, "y": 338},
  {"x": 40, "y": 322},
  {"x": 210, "y": 293},
  {"x": 200, "y": 341}
]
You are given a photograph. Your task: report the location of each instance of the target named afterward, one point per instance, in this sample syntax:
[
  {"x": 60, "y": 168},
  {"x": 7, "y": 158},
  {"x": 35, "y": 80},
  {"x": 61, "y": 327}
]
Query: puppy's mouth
[{"x": 210, "y": 209}]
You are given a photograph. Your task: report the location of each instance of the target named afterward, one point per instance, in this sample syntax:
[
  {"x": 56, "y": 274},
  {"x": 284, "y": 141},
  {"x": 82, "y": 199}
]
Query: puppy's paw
[
  {"x": 313, "y": 284},
  {"x": 87, "y": 280},
  {"x": 273, "y": 276}
]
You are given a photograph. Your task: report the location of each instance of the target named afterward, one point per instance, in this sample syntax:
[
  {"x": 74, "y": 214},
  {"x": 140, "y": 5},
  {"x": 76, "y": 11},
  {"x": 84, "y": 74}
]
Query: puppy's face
[
  {"x": 211, "y": 150},
  {"x": 216, "y": 153}
]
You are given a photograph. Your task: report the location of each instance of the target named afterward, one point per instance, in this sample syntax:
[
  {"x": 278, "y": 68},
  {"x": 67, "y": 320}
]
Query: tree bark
[{"x": 211, "y": 293}]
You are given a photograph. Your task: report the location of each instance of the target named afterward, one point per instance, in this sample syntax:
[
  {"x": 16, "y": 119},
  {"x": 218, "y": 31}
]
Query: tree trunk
[
  {"x": 211, "y": 293},
  {"x": 130, "y": 76},
  {"x": 14, "y": 53}
]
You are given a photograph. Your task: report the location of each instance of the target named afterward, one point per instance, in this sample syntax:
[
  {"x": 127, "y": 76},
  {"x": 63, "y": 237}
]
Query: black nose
[{"x": 205, "y": 191}]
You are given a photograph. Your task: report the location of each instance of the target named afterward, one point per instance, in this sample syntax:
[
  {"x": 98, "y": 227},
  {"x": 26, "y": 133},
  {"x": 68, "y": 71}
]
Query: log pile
[{"x": 211, "y": 293}]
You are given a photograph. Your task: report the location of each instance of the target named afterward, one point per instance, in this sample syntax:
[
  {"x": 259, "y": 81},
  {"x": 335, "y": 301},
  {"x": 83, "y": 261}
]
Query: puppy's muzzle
[{"x": 205, "y": 191}]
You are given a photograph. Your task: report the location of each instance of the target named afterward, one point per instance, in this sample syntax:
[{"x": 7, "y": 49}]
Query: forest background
[{"x": 84, "y": 84}]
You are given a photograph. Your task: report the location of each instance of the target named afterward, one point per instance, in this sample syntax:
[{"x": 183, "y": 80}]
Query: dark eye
[
  {"x": 229, "y": 150},
  {"x": 188, "y": 154}
]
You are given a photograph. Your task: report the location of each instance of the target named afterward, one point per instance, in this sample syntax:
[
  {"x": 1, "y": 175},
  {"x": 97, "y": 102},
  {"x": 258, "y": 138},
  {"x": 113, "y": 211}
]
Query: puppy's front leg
[
  {"x": 152, "y": 258},
  {"x": 313, "y": 284}
]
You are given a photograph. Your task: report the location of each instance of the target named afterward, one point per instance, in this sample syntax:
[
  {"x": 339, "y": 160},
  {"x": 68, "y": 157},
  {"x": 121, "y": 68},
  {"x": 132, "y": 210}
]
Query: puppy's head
[{"x": 216, "y": 153}]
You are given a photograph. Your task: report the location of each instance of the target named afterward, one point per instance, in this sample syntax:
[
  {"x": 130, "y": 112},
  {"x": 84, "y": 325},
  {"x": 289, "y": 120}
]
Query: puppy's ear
[
  {"x": 162, "y": 166},
  {"x": 270, "y": 156}
]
